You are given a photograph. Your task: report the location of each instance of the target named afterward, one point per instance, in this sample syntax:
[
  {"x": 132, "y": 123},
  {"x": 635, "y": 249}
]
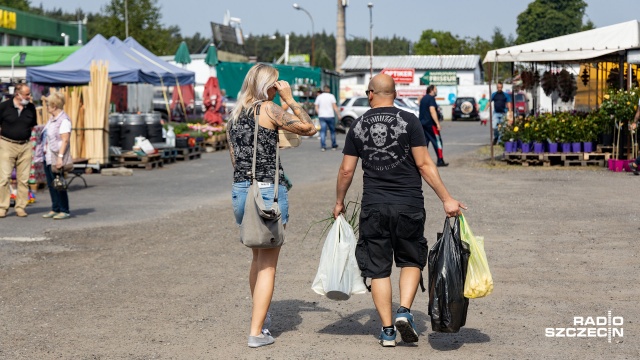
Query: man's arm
[
  {"x": 430, "y": 174},
  {"x": 337, "y": 110},
  {"x": 434, "y": 116},
  {"x": 345, "y": 176}
]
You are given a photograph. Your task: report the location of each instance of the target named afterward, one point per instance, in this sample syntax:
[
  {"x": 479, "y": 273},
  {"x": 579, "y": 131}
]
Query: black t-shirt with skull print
[{"x": 383, "y": 138}]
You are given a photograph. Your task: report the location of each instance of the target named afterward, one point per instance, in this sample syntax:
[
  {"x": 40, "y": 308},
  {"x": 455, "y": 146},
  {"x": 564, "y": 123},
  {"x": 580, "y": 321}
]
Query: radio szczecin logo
[{"x": 590, "y": 327}]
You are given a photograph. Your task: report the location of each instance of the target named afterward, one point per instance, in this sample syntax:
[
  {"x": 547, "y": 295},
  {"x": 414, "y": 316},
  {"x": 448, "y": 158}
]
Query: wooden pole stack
[{"x": 96, "y": 118}]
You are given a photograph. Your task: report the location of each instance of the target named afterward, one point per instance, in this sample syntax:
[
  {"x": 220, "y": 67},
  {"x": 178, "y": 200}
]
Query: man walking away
[
  {"x": 395, "y": 159},
  {"x": 325, "y": 108},
  {"x": 501, "y": 104},
  {"x": 431, "y": 122},
  {"x": 17, "y": 119}
]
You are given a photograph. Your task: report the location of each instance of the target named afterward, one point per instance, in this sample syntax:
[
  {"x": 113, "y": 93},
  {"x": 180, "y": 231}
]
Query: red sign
[{"x": 400, "y": 76}]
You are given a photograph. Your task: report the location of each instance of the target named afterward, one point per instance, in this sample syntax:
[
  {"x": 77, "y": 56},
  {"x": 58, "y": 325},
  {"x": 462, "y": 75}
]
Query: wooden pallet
[
  {"x": 604, "y": 149},
  {"x": 597, "y": 156},
  {"x": 148, "y": 162},
  {"x": 584, "y": 163},
  {"x": 168, "y": 155},
  {"x": 190, "y": 153},
  {"x": 562, "y": 159},
  {"x": 217, "y": 143}
]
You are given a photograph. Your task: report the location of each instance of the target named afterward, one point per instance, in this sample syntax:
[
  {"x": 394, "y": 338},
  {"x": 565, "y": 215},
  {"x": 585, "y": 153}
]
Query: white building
[{"x": 413, "y": 73}]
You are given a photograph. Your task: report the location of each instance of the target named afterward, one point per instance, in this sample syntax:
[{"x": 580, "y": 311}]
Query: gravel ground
[{"x": 561, "y": 243}]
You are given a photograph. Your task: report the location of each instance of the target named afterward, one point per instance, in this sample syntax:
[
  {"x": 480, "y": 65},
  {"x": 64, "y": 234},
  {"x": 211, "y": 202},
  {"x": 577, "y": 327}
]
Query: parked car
[
  {"x": 195, "y": 109},
  {"x": 351, "y": 109},
  {"x": 465, "y": 108},
  {"x": 522, "y": 104},
  {"x": 407, "y": 105}
]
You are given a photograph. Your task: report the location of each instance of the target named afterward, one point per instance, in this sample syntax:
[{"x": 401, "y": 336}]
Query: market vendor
[{"x": 17, "y": 119}]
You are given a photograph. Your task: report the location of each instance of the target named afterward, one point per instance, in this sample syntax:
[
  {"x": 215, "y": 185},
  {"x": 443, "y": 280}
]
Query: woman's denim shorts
[{"x": 239, "y": 197}]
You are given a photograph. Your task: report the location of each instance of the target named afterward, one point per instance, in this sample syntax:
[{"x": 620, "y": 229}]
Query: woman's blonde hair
[
  {"x": 56, "y": 99},
  {"x": 259, "y": 79}
]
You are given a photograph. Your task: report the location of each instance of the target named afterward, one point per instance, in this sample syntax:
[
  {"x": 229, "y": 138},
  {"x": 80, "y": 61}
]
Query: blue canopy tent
[
  {"x": 75, "y": 69},
  {"x": 128, "y": 63},
  {"x": 154, "y": 71},
  {"x": 178, "y": 75},
  {"x": 181, "y": 76}
]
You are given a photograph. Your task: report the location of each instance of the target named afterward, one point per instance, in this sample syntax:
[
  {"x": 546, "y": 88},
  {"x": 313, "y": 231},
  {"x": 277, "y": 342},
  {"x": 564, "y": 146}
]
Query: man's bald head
[
  {"x": 383, "y": 85},
  {"x": 382, "y": 91}
]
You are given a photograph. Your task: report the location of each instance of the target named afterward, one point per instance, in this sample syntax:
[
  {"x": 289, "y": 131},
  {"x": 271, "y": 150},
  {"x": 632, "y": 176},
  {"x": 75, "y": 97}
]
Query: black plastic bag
[{"x": 448, "y": 259}]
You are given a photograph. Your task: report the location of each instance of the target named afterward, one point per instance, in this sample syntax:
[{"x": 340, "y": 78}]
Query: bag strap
[{"x": 255, "y": 155}]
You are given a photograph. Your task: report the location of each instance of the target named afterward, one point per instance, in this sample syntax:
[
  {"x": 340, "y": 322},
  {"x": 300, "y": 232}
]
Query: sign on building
[
  {"x": 299, "y": 59},
  {"x": 400, "y": 76},
  {"x": 439, "y": 78}
]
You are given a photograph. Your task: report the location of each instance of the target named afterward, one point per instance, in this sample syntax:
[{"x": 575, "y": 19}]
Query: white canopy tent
[{"x": 575, "y": 47}]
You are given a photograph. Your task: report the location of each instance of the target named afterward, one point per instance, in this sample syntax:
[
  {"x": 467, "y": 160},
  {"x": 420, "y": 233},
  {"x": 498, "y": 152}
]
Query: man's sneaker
[
  {"x": 323, "y": 149},
  {"x": 442, "y": 164},
  {"x": 260, "y": 340},
  {"x": 387, "y": 337},
  {"x": 406, "y": 327},
  {"x": 335, "y": 148}
]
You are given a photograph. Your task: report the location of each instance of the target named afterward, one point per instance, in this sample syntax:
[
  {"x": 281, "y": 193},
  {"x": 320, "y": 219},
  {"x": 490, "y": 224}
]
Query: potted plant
[
  {"x": 552, "y": 132},
  {"x": 539, "y": 134},
  {"x": 511, "y": 133}
]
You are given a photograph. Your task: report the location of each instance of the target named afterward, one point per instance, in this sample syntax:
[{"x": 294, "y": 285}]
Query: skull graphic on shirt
[{"x": 379, "y": 134}]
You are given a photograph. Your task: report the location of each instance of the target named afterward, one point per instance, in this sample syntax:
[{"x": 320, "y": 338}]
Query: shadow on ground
[
  {"x": 448, "y": 342},
  {"x": 287, "y": 314}
]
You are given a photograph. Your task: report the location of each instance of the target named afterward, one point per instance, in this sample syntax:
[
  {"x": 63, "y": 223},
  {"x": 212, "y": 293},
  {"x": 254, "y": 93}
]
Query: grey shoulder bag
[{"x": 261, "y": 227}]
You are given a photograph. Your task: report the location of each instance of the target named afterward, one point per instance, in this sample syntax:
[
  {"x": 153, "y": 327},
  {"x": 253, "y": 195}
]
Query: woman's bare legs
[{"x": 262, "y": 278}]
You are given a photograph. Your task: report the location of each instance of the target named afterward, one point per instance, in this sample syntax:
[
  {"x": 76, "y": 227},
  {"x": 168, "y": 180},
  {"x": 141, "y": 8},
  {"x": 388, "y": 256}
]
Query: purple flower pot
[
  {"x": 576, "y": 147},
  {"x": 553, "y": 148},
  {"x": 566, "y": 148},
  {"x": 526, "y": 147},
  {"x": 510, "y": 147},
  {"x": 611, "y": 164},
  {"x": 518, "y": 145},
  {"x": 588, "y": 146},
  {"x": 538, "y": 148}
]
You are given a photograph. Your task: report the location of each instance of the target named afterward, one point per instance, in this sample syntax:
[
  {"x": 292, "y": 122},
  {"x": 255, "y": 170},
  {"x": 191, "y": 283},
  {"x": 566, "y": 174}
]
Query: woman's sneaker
[
  {"x": 406, "y": 327},
  {"x": 387, "y": 337},
  {"x": 260, "y": 340}
]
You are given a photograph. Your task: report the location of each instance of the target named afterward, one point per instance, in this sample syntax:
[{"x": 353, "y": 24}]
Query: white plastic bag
[{"x": 338, "y": 274}]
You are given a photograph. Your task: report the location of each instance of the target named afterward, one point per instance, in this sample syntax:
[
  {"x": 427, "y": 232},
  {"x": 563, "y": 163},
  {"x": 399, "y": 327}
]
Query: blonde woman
[
  {"x": 55, "y": 141},
  {"x": 256, "y": 100}
]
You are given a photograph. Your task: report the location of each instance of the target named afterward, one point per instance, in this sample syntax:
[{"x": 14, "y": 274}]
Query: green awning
[{"x": 36, "y": 55}]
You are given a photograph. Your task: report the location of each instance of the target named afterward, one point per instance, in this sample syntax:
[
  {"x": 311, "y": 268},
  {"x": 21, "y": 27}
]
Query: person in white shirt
[
  {"x": 57, "y": 154},
  {"x": 325, "y": 107}
]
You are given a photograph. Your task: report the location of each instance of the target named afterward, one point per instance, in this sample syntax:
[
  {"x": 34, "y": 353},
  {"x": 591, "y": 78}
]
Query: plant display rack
[{"x": 561, "y": 159}]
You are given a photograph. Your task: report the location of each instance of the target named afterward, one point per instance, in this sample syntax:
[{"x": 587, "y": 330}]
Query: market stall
[
  {"x": 593, "y": 71},
  {"x": 124, "y": 64}
]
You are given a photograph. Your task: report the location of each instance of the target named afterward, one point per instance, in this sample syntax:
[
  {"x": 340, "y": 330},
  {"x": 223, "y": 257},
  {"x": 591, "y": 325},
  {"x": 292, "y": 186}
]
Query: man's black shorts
[{"x": 390, "y": 233}]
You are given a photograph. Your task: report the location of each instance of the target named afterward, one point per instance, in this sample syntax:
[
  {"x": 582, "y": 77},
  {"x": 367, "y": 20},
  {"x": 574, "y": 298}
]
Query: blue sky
[{"x": 406, "y": 18}]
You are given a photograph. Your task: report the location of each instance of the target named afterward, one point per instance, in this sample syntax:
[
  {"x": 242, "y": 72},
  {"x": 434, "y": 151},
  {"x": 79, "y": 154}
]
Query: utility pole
[
  {"x": 341, "y": 43},
  {"x": 126, "y": 20}
]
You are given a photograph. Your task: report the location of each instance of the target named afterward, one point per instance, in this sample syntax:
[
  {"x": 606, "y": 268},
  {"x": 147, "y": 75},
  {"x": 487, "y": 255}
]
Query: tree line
[{"x": 541, "y": 20}]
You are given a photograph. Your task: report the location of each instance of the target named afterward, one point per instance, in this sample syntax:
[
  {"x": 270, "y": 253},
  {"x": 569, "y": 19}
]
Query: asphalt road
[
  {"x": 161, "y": 193},
  {"x": 143, "y": 279}
]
